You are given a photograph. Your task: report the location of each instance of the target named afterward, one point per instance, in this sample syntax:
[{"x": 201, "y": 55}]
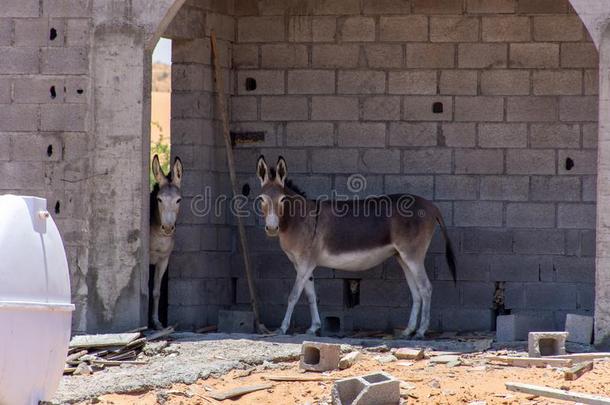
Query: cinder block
[
  {"x": 558, "y": 28},
  {"x": 418, "y": 185},
  {"x": 331, "y": 108},
  {"x": 591, "y": 80},
  {"x": 532, "y": 109},
  {"x": 32, "y": 32},
  {"x": 357, "y": 29},
  {"x": 539, "y": 241},
  {"x": 506, "y": 29},
  {"x": 371, "y": 389},
  {"x": 477, "y": 213},
  {"x": 284, "y": 56},
  {"x": 541, "y": 161},
  {"x": 244, "y": 56},
  {"x": 430, "y": 56},
  {"x": 579, "y": 328},
  {"x": 19, "y": 117},
  {"x": 579, "y": 55},
  {"x": 576, "y": 216},
  {"x": 554, "y": 135},
  {"x": 479, "y": 108},
  {"x": 267, "y": 82},
  {"x": 381, "y": 161},
  {"x": 19, "y": 60},
  {"x": 562, "y": 82},
  {"x": 362, "y": 134},
  {"x": 578, "y": 108},
  {"x": 235, "y": 321},
  {"x": 403, "y": 28},
  {"x": 476, "y": 161},
  {"x": 309, "y": 134},
  {"x": 412, "y": 82},
  {"x": 372, "y": 7},
  {"x": 77, "y": 32},
  {"x": 284, "y": 108},
  {"x": 244, "y": 108},
  {"x": 456, "y": 188},
  {"x": 260, "y": 29},
  {"x": 482, "y": 56},
  {"x": 311, "y": 29},
  {"x": 345, "y": 7},
  {"x": 516, "y": 327},
  {"x": 422, "y": 108},
  {"x": 311, "y": 82},
  {"x": 503, "y": 135},
  {"x": 508, "y": 188},
  {"x": 437, "y": 6},
  {"x": 543, "y": 7},
  {"x": 63, "y": 117},
  {"x": 490, "y": 6},
  {"x": 427, "y": 160},
  {"x": 335, "y": 56},
  {"x": 534, "y": 55},
  {"x": 65, "y": 8},
  {"x": 361, "y": 82},
  {"x": 334, "y": 160},
  {"x": 336, "y": 323},
  {"x": 381, "y": 108},
  {"x": 585, "y": 161},
  {"x": 413, "y": 134},
  {"x": 589, "y": 136},
  {"x": 65, "y": 61},
  {"x": 384, "y": 55},
  {"x": 486, "y": 240},
  {"x": 458, "y": 134},
  {"x": 454, "y": 29},
  {"x": 541, "y": 344},
  {"x": 530, "y": 215},
  {"x": 505, "y": 82},
  {"x": 459, "y": 82},
  {"x": 316, "y": 356},
  {"x": 20, "y": 8}
]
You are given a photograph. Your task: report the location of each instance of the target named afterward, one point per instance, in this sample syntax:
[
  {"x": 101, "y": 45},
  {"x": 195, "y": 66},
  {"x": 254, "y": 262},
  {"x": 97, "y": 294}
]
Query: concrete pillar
[{"x": 602, "y": 279}]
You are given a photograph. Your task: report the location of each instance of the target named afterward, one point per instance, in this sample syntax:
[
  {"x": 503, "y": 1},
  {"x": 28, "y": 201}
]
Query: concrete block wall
[
  {"x": 348, "y": 87},
  {"x": 199, "y": 273},
  {"x": 44, "y": 119}
]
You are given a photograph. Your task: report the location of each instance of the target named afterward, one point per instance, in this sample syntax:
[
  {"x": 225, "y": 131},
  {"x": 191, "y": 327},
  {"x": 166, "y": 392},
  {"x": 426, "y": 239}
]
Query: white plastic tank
[{"x": 35, "y": 308}]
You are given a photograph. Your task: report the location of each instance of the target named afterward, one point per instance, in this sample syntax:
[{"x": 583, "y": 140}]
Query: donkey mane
[{"x": 288, "y": 183}]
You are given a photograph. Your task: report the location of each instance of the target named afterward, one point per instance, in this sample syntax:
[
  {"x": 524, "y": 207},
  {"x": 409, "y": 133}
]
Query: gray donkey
[
  {"x": 164, "y": 206},
  {"x": 351, "y": 235}
]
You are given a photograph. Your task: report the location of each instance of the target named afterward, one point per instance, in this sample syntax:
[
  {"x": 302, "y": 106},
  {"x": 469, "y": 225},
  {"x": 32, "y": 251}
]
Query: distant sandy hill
[{"x": 161, "y": 103}]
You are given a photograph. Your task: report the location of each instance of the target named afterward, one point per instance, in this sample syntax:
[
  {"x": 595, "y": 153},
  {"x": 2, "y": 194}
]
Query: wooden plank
[
  {"x": 76, "y": 356},
  {"x": 160, "y": 333},
  {"x": 579, "y": 369},
  {"x": 237, "y": 392},
  {"x": 207, "y": 329},
  {"x": 302, "y": 378},
  {"x": 110, "y": 339},
  {"x": 558, "y": 394},
  {"x": 531, "y": 361},
  {"x": 578, "y": 357},
  {"x": 117, "y": 362}
]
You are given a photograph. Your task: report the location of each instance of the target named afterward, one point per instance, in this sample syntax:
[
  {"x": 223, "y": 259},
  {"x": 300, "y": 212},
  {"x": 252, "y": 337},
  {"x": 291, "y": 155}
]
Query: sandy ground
[{"x": 475, "y": 379}]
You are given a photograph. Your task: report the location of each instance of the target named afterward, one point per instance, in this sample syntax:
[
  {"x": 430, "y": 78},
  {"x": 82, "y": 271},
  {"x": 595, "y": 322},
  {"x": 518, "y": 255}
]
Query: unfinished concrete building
[{"x": 488, "y": 107}]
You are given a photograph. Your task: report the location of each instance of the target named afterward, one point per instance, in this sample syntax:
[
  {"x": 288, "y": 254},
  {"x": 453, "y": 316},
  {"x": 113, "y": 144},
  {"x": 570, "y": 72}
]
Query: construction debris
[
  {"x": 377, "y": 388},
  {"x": 410, "y": 354},
  {"x": 88, "y": 353},
  {"x": 349, "y": 360},
  {"x": 238, "y": 392},
  {"x": 529, "y": 362},
  {"x": 546, "y": 343},
  {"x": 316, "y": 356},
  {"x": 579, "y": 369},
  {"x": 558, "y": 394}
]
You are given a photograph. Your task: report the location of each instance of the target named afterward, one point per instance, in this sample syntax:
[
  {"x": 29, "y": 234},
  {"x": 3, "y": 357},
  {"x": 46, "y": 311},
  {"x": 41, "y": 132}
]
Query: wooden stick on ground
[
  {"x": 577, "y": 357},
  {"x": 237, "y": 392},
  {"x": 231, "y": 162},
  {"x": 558, "y": 394},
  {"x": 300, "y": 378},
  {"x": 531, "y": 361},
  {"x": 579, "y": 369}
]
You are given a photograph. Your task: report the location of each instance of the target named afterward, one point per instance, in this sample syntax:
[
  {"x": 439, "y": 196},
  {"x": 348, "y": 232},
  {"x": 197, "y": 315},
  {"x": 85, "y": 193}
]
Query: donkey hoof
[
  {"x": 158, "y": 325},
  {"x": 406, "y": 334},
  {"x": 419, "y": 336},
  {"x": 312, "y": 331}
]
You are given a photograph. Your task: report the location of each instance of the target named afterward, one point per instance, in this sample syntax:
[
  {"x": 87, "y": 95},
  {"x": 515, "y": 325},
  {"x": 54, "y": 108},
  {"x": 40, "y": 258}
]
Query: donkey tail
[{"x": 449, "y": 255}]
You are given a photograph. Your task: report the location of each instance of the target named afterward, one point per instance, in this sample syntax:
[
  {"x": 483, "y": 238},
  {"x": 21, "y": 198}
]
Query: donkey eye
[{"x": 178, "y": 200}]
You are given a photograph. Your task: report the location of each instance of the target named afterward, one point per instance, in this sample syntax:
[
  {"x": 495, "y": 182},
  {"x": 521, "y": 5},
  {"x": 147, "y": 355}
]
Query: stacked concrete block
[
  {"x": 579, "y": 328},
  {"x": 377, "y": 388},
  {"x": 336, "y": 323},
  {"x": 541, "y": 344},
  {"x": 316, "y": 356}
]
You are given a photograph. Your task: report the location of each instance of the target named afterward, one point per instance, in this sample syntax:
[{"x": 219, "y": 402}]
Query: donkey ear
[
  {"x": 262, "y": 171},
  {"x": 281, "y": 170},
  {"x": 158, "y": 172},
  {"x": 177, "y": 172}
]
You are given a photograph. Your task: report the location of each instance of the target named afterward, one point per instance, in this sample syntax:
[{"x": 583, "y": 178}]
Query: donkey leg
[
  {"x": 415, "y": 295},
  {"x": 425, "y": 290},
  {"x": 313, "y": 307},
  {"x": 160, "y": 269},
  {"x": 302, "y": 277}
]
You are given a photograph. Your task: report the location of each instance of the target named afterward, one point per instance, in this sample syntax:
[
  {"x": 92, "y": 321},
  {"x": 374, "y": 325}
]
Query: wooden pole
[{"x": 231, "y": 162}]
